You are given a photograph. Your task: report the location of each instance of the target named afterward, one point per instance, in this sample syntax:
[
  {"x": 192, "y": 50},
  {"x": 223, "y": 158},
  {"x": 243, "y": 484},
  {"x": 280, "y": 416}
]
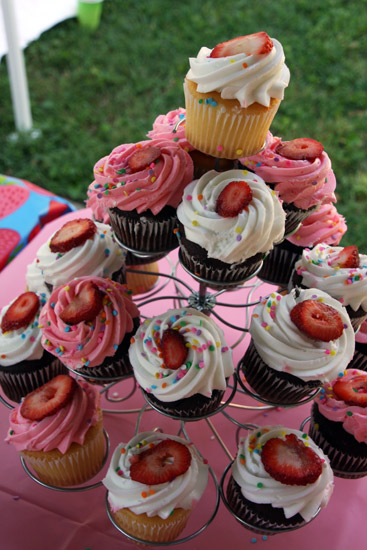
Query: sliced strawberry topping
[
  {"x": 49, "y": 398},
  {"x": 161, "y": 463},
  {"x": 72, "y": 234},
  {"x": 21, "y": 312},
  {"x": 300, "y": 149},
  {"x": 319, "y": 321},
  {"x": 233, "y": 199},
  {"x": 251, "y": 44},
  {"x": 353, "y": 391},
  {"x": 348, "y": 257},
  {"x": 85, "y": 305},
  {"x": 143, "y": 157},
  {"x": 173, "y": 348},
  {"x": 290, "y": 461}
]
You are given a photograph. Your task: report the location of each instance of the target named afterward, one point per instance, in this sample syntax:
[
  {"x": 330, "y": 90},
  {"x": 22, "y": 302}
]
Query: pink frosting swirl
[
  {"x": 324, "y": 225},
  {"x": 361, "y": 336},
  {"x": 299, "y": 182},
  {"x": 153, "y": 189},
  {"x": 353, "y": 417},
  {"x": 57, "y": 431},
  {"x": 164, "y": 125},
  {"x": 94, "y": 192},
  {"x": 87, "y": 344}
]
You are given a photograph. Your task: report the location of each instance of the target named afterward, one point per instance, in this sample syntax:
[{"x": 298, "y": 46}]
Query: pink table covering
[{"x": 34, "y": 517}]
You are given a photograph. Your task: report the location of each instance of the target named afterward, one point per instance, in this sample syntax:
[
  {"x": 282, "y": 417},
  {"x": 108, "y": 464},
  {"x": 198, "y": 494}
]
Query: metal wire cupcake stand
[{"x": 186, "y": 296}]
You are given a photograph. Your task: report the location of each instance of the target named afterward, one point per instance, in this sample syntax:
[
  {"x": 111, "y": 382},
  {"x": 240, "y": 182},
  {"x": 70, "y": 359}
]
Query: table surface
[{"x": 35, "y": 517}]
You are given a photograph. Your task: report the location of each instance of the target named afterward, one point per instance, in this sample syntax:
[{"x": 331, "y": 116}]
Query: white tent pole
[{"x": 16, "y": 69}]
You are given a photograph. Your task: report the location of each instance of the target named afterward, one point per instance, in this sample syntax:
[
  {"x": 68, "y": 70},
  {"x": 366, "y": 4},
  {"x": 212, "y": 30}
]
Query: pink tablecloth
[{"x": 34, "y": 517}]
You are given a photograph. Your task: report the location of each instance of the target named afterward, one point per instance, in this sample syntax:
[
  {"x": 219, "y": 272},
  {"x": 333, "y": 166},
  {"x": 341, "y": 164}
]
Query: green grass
[{"x": 91, "y": 92}]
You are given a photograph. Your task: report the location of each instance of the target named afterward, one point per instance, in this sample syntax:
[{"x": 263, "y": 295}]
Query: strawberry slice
[
  {"x": 319, "y": 321},
  {"x": 353, "y": 391},
  {"x": 233, "y": 199},
  {"x": 300, "y": 149},
  {"x": 85, "y": 305},
  {"x": 251, "y": 44},
  {"x": 49, "y": 398},
  {"x": 348, "y": 257},
  {"x": 161, "y": 463},
  {"x": 143, "y": 157},
  {"x": 290, "y": 461},
  {"x": 173, "y": 349},
  {"x": 21, "y": 312},
  {"x": 72, "y": 234}
]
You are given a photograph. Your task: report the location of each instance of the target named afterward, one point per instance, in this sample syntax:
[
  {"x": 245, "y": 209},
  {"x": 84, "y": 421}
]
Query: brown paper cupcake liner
[
  {"x": 259, "y": 516},
  {"x": 145, "y": 233},
  {"x": 192, "y": 407},
  {"x": 32, "y": 375},
  {"x": 278, "y": 265},
  {"x": 275, "y": 386}
]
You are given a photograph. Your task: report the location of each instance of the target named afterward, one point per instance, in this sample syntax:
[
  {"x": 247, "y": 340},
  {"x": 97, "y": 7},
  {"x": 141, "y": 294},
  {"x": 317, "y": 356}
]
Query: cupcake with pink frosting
[
  {"x": 139, "y": 185},
  {"x": 299, "y": 171},
  {"x": 88, "y": 324},
  {"x": 339, "y": 423},
  {"x": 359, "y": 360},
  {"x": 58, "y": 430},
  {"x": 324, "y": 225}
]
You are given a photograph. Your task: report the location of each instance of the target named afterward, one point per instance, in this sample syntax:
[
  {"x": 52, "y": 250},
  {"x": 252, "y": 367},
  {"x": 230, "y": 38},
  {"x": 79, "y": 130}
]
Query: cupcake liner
[
  {"x": 295, "y": 216},
  {"x": 192, "y": 407},
  {"x": 152, "y": 529},
  {"x": 278, "y": 265},
  {"x": 259, "y": 516},
  {"x": 31, "y": 375},
  {"x": 359, "y": 361},
  {"x": 139, "y": 283},
  {"x": 272, "y": 385},
  {"x": 342, "y": 449},
  {"x": 221, "y": 128},
  {"x": 145, "y": 233},
  {"x": 79, "y": 464}
]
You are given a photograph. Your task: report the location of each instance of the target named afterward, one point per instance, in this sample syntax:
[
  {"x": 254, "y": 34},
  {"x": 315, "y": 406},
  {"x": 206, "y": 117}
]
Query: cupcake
[
  {"x": 341, "y": 272},
  {"x": 228, "y": 221},
  {"x": 232, "y": 94},
  {"x": 280, "y": 480},
  {"x": 299, "y": 341},
  {"x": 181, "y": 362},
  {"x": 325, "y": 225},
  {"x": 153, "y": 483},
  {"x": 24, "y": 364},
  {"x": 171, "y": 127},
  {"x": 80, "y": 247},
  {"x": 58, "y": 430},
  {"x": 140, "y": 185},
  {"x": 144, "y": 280},
  {"x": 88, "y": 324},
  {"x": 300, "y": 171},
  {"x": 339, "y": 423},
  {"x": 359, "y": 360}
]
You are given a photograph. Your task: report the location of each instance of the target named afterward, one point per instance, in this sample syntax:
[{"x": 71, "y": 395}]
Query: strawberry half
[
  {"x": 161, "y": 463},
  {"x": 319, "y": 321},
  {"x": 348, "y": 257},
  {"x": 49, "y": 398},
  {"x": 173, "y": 348},
  {"x": 72, "y": 234},
  {"x": 142, "y": 158},
  {"x": 21, "y": 312},
  {"x": 85, "y": 305},
  {"x": 251, "y": 44},
  {"x": 290, "y": 461},
  {"x": 353, "y": 391},
  {"x": 233, "y": 199},
  {"x": 300, "y": 149}
]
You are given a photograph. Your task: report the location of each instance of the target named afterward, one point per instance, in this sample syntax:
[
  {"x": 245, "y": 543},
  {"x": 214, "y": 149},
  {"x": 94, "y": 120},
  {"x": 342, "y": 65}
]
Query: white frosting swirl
[
  {"x": 97, "y": 257},
  {"x": 285, "y": 348},
  {"x": 182, "y": 492},
  {"x": 23, "y": 344},
  {"x": 255, "y": 229},
  {"x": 208, "y": 363},
  {"x": 247, "y": 78},
  {"x": 348, "y": 285},
  {"x": 259, "y": 487}
]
